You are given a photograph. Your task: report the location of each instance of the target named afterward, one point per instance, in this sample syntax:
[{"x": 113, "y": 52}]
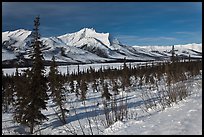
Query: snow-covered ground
[{"x": 185, "y": 117}]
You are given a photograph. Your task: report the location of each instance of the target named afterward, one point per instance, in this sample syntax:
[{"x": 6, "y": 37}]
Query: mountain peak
[
  {"x": 20, "y": 34},
  {"x": 84, "y": 35},
  {"x": 88, "y": 29}
]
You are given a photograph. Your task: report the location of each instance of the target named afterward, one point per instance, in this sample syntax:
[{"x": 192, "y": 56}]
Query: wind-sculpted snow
[{"x": 89, "y": 46}]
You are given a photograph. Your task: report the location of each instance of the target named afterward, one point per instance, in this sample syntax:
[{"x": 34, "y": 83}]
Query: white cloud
[
  {"x": 138, "y": 38},
  {"x": 156, "y": 38},
  {"x": 185, "y": 32},
  {"x": 159, "y": 40}
]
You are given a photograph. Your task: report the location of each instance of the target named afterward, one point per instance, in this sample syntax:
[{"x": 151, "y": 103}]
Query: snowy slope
[
  {"x": 71, "y": 53},
  {"x": 18, "y": 38},
  {"x": 89, "y": 46},
  {"x": 184, "y": 118},
  {"x": 193, "y": 49}
]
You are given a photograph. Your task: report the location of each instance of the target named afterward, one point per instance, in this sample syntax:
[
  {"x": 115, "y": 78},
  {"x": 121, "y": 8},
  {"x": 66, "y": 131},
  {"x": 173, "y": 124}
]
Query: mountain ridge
[{"x": 89, "y": 46}]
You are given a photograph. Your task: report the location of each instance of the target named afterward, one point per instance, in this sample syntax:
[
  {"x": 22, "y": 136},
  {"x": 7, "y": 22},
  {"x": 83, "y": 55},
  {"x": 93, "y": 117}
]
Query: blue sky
[{"x": 133, "y": 23}]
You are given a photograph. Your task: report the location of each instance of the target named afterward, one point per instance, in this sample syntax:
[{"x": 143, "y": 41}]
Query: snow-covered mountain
[{"x": 88, "y": 46}]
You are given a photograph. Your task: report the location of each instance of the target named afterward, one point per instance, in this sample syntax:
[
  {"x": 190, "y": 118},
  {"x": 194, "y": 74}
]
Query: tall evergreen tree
[
  {"x": 56, "y": 86},
  {"x": 22, "y": 89},
  {"x": 37, "y": 94}
]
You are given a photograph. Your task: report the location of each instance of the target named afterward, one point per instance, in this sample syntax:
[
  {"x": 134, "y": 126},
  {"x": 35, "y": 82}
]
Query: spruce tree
[
  {"x": 37, "y": 97},
  {"x": 83, "y": 88},
  {"x": 115, "y": 88},
  {"x": 125, "y": 76},
  {"x": 38, "y": 81},
  {"x": 57, "y": 91},
  {"x": 106, "y": 93},
  {"x": 3, "y": 89},
  {"x": 77, "y": 88},
  {"x": 72, "y": 90},
  {"x": 95, "y": 86},
  {"x": 8, "y": 94},
  {"x": 22, "y": 89}
]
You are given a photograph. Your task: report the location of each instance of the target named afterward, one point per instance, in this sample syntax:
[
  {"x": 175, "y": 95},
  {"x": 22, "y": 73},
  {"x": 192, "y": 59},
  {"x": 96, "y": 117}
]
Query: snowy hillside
[
  {"x": 18, "y": 39},
  {"x": 195, "y": 50},
  {"x": 89, "y": 46}
]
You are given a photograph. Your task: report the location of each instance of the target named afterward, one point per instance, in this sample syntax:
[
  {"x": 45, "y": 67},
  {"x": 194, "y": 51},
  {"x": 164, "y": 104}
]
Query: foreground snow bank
[{"x": 184, "y": 118}]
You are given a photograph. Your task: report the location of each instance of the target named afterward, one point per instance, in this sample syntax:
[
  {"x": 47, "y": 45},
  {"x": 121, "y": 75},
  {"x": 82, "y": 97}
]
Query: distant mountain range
[{"x": 86, "y": 46}]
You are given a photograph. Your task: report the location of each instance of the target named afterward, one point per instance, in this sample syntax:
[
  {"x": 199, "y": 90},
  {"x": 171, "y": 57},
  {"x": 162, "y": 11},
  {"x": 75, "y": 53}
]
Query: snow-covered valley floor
[{"x": 183, "y": 118}]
